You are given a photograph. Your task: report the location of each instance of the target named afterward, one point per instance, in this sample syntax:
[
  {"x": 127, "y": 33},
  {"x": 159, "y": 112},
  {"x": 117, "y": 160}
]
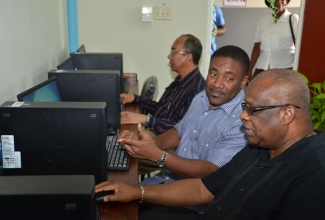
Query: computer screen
[
  {"x": 46, "y": 91},
  {"x": 54, "y": 138},
  {"x": 67, "y": 64},
  {"x": 92, "y": 86}
]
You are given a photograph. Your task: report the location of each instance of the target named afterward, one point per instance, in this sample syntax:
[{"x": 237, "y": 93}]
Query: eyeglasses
[
  {"x": 250, "y": 110},
  {"x": 173, "y": 52}
]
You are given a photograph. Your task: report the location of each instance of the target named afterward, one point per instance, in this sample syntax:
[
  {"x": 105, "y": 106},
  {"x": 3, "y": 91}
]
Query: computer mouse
[{"x": 100, "y": 195}]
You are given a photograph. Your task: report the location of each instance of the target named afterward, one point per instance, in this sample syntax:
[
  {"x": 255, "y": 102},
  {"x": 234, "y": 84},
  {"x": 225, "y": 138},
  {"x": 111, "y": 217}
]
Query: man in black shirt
[{"x": 279, "y": 175}]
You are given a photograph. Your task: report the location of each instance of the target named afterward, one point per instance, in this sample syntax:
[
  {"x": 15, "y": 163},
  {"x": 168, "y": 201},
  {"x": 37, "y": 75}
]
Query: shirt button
[
  {"x": 219, "y": 208},
  {"x": 242, "y": 189},
  {"x": 205, "y": 113},
  {"x": 194, "y": 131}
]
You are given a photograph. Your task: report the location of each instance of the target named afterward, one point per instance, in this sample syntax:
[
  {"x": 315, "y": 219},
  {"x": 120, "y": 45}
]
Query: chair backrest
[{"x": 150, "y": 88}]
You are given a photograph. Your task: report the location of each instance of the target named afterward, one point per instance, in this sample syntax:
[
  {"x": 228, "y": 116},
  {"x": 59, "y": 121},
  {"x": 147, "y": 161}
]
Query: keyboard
[{"x": 118, "y": 157}]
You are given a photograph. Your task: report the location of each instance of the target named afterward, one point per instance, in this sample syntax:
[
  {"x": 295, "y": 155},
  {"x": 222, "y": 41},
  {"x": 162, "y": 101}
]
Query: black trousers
[{"x": 148, "y": 211}]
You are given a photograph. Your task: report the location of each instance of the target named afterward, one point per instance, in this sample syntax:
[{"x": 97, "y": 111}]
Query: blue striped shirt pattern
[{"x": 214, "y": 135}]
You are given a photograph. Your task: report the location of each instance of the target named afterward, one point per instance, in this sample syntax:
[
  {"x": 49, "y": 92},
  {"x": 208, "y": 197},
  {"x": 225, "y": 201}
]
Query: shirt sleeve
[
  {"x": 295, "y": 23},
  {"x": 147, "y": 104},
  {"x": 164, "y": 124},
  {"x": 257, "y": 37},
  {"x": 220, "y": 20}
]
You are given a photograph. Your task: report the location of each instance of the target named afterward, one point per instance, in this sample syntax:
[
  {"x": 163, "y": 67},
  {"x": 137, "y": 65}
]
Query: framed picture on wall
[{"x": 235, "y": 3}]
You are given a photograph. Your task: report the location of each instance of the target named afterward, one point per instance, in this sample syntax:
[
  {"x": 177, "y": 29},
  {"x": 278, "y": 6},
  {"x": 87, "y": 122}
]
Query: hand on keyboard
[{"x": 118, "y": 157}]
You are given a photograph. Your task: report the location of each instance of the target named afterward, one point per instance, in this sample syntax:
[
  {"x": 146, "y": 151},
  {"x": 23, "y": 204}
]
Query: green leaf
[
  {"x": 320, "y": 96},
  {"x": 317, "y": 87}
]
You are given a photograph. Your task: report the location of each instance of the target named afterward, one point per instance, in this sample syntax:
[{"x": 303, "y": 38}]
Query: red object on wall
[{"x": 312, "y": 49}]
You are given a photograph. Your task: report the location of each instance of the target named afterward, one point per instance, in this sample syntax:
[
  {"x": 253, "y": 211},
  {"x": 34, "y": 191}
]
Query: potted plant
[{"x": 317, "y": 105}]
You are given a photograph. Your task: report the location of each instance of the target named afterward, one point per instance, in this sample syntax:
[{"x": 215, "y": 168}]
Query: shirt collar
[
  {"x": 231, "y": 107},
  {"x": 285, "y": 15},
  {"x": 187, "y": 78},
  {"x": 293, "y": 153}
]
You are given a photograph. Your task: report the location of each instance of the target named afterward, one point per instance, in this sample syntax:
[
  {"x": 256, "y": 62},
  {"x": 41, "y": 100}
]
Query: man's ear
[
  {"x": 244, "y": 82},
  {"x": 289, "y": 114}
]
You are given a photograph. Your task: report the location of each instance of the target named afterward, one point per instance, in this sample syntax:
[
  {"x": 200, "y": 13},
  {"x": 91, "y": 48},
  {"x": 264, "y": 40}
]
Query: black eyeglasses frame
[{"x": 250, "y": 110}]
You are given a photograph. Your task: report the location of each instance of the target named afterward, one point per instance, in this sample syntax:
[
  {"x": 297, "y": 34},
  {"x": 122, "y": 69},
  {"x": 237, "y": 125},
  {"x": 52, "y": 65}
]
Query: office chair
[{"x": 149, "y": 90}]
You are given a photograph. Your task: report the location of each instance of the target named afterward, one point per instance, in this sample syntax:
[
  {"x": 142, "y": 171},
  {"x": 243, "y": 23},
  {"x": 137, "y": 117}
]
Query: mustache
[{"x": 216, "y": 90}]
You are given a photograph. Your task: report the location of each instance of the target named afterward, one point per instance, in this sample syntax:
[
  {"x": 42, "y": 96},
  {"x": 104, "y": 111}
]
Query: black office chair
[
  {"x": 149, "y": 90},
  {"x": 150, "y": 87}
]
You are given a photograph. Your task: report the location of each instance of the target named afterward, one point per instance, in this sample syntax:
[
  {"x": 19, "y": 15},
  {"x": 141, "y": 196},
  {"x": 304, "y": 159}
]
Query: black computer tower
[
  {"x": 54, "y": 138},
  {"x": 47, "y": 197}
]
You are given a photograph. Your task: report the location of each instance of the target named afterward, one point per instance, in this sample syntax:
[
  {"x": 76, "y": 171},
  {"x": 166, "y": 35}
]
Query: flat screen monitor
[
  {"x": 47, "y": 91},
  {"x": 92, "y": 86},
  {"x": 54, "y": 138},
  {"x": 67, "y": 197},
  {"x": 67, "y": 64}
]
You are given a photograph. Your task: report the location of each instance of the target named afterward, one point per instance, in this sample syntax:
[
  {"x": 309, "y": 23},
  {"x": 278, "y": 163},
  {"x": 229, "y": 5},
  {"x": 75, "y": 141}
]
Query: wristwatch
[
  {"x": 147, "y": 121},
  {"x": 162, "y": 161}
]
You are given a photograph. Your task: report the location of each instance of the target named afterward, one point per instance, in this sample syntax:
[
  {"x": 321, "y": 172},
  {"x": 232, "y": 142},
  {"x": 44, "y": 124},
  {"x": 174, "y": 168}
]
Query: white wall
[
  {"x": 33, "y": 39},
  {"x": 116, "y": 26}
]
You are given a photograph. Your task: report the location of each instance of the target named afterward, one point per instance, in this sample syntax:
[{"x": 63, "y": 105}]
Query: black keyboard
[{"x": 118, "y": 157}]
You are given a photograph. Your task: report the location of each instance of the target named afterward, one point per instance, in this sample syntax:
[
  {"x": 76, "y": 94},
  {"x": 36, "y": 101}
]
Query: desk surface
[{"x": 129, "y": 211}]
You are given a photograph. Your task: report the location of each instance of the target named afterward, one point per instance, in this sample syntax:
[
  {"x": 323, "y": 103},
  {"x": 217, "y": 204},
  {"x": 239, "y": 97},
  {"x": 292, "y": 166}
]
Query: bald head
[
  {"x": 288, "y": 118},
  {"x": 283, "y": 86}
]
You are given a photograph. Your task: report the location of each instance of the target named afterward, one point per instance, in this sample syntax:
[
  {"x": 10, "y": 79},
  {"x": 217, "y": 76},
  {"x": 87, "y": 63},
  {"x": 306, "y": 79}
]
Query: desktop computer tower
[
  {"x": 54, "y": 138},
  {"x": 68, "y": 197}
]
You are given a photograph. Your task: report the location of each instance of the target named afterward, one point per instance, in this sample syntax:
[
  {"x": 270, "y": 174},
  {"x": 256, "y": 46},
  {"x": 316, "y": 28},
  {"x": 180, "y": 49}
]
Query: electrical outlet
[{"x": 162, "y": 13}]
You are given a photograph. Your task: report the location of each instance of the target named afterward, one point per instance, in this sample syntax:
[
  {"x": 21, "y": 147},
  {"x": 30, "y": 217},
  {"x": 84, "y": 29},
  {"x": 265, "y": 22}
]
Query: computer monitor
[
  {"x": 92, "y": 86},
  {"x": 47, "y": 91},
  {"x": 68, "y": 197},
  {"x": 99, "y": 61},
  {"x": 54, "y": 138},
  {"x": 81, "y": 49},
  {"x": 67, "y": 64}
]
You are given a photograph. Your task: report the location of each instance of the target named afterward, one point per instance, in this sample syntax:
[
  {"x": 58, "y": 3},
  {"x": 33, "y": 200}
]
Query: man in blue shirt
[
  {"x": 209, "y": 134},
  {"x": 218, "y": 27}
]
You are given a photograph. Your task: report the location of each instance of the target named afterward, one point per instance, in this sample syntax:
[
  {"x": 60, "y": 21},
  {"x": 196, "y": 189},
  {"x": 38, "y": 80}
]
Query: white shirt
[{"x": 277, "y": 48}]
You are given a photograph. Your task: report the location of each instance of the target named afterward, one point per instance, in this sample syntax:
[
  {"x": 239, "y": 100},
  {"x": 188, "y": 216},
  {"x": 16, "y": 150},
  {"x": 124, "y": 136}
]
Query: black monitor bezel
[{"x": 20, "y": 96}]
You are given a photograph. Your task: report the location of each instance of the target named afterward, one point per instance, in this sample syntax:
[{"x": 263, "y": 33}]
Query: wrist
[
  {"x": 148, "y": 117},
  {"x": 162, "y": 161},
  {"x": 142, "y": 194}
]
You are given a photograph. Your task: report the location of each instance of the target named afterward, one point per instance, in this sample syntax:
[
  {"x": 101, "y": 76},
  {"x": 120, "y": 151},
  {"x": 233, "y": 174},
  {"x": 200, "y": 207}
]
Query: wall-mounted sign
[{"x": 235, "y": 3}]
